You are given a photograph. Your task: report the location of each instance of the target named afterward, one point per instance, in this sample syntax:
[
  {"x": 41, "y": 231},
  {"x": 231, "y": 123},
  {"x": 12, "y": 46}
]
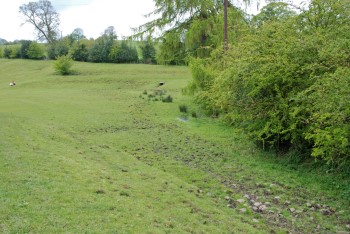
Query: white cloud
[{"x": 100, "y": 14}]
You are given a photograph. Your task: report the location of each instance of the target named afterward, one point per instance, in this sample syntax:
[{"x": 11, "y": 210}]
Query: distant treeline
[{"x": 105, "y": 49}]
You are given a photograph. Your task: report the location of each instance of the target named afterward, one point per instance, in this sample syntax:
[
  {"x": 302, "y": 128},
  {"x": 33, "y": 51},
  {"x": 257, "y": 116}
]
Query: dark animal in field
[{"x": 161, "y": 84}]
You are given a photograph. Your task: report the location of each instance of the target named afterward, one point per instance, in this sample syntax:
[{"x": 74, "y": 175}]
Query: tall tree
[
  {"x": 148, "y": 52},
  {"x": 178, "y": 14},
  {"x": 274, "y": 11},
  {"x": 225, "y": 25},
  {"x": 43, "y": 17},
  {"x": 77, "y": 35},
  {"x": 191, "y": 22},
  {"x": 103, "y": 45}
]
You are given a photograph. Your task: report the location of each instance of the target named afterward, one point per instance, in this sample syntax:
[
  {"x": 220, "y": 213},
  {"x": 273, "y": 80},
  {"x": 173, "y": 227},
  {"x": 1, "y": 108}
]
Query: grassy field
[{"x": 96, "y": 152}]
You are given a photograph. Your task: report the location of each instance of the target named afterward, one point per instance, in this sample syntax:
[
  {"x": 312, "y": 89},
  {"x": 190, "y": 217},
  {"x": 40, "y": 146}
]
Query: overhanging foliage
[{"x": 286, "y": 82}]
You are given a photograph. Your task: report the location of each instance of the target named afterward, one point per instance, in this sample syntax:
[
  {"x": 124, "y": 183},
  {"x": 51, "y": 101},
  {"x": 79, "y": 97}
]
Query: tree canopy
[
  {"x": 44, "y": 18},
  {"x": 188, "y": 28}
]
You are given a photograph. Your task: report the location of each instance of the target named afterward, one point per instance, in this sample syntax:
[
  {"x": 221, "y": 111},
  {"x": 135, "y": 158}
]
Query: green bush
[
  {"x": 12, "y": 51},
  {"x": 329, "y": 116},
  {"x": 80, "y": 50},
  {"x": 286, "y": 83},
  {"x": 59, "y": 48},
  {"x": 63, "y": 65},
  {"x": 123, "y": 53},
  {"x": 35, "y": 51},
  {"x": 183, "y": 108}
]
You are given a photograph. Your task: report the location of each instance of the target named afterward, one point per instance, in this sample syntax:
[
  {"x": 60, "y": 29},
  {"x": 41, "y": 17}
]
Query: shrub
[
  {"x": 12, "y": 51},
  {"x": 286, "y": 94},
  {"x": 183, "y": 108},
  {"x": 167, "y": 99},
  {"x": 159, "y": 92},
  {"x": 329, "y": 117},
  {"x": 63, "y": 65}
]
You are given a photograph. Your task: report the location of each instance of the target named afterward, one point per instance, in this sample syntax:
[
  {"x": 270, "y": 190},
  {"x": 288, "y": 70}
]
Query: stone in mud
[
  {"x": 246, "y": 196},
  {"x": 257, "y": 204}
]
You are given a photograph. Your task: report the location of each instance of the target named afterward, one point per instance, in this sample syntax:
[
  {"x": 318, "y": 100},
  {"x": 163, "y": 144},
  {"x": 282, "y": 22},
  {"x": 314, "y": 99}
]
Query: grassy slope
[{"x": 90, "y": 153}]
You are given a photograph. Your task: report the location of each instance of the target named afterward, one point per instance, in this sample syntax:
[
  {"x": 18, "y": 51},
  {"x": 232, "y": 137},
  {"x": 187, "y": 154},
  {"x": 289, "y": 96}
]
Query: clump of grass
[
  {"x": 194, "y": 114},
  {"x": 159, "y": 92},
  {"x": 157, "y": 95},
  {"x": 168, "y": 99},
  {"x": 125, "y": 194},
  {"x": 100, "y": 191},
  {"x": 183, "y": 108}
]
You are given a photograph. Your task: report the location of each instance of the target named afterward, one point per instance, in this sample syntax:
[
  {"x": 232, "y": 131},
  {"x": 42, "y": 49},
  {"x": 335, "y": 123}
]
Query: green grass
[{"x": 91, "y": 153}]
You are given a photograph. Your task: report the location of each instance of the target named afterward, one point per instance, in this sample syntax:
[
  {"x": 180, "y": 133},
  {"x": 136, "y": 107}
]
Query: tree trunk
[{"x": 225, "y": 25}]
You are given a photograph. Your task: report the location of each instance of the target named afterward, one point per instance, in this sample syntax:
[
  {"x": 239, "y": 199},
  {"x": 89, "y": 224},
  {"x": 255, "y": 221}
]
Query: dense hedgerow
[{"x": 287, "y": 82}]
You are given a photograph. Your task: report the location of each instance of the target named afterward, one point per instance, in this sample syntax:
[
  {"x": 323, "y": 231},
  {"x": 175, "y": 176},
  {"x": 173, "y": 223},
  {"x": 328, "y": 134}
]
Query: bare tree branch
[{"x": 43, "y": 17}]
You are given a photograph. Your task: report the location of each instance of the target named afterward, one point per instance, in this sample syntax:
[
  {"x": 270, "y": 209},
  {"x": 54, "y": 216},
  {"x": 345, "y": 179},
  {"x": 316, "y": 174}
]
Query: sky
[{"x": 93, "y": 16}]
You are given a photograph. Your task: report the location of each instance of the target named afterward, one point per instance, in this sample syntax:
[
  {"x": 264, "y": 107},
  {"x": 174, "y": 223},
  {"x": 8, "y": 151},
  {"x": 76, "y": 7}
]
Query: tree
[
  {"x": 35, "y": 51},
  {"x": 12, "y": 51},
  {"x": 148, "y": 52},
  {"x": 177, "y": 15},
  {"x": 177, "y": 18},
  {"x": 24, "y": 48},
  {"x": 43, "y": 17},
  {"x": 100, "y": 52},
  {"x": 123, "y": 53},
  {"x": 326, "y": 14},
  {"x": 110, "y": 33},
  {"x": 172, "y": 50},
  {"x": 272, "y": 12},
  {"x": 80, "y": 50},
  {"x": 77, "y": 35},
  {"x": 225, "y": 25},
  {"x": 59, "y": 48}
]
